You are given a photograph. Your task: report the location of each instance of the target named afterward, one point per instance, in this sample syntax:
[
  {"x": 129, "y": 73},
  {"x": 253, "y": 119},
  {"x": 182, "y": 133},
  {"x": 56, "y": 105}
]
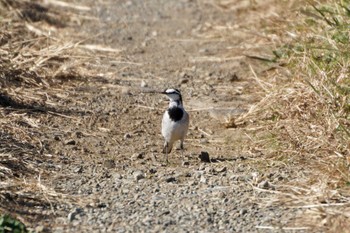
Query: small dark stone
[
  {"x": 138, "y": 156},
  {"x": 102, "y": 205},
  {"x": 152, "y": 171},
  {"x": 233, "y": 78},
  {"x": 70, "y": 142},
  {"x": 71, "y": 216},
  {"x": 79, "y": 134},
  {"x": 204, "y": 157},
  {"x": 166, "y": 212},
  {"x": 79, "y": 210},
  {"x": 243, "y": 212},
  {"x": 264, "y": 184},
  {"x": 168, "y": 223},
  {"x": 184, "y": 80},
  {"x": 170, "y": 179},
  {"x": 127, "y": 136},
  {"x": 185, "y": 163},
  {"x": 139, "y": 175}
]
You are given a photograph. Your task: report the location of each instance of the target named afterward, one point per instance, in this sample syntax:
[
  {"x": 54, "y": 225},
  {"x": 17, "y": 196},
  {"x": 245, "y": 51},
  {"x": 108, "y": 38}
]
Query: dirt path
[{"x": 108, "y": 155}]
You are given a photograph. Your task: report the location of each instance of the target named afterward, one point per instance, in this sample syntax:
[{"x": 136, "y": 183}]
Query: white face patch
[
  {"x": 173, "y": 94},
  {"x": 172, "y": 91}
]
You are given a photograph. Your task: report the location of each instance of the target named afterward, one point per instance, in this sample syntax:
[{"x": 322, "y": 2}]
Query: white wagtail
[{"x": 175, "y": 121}]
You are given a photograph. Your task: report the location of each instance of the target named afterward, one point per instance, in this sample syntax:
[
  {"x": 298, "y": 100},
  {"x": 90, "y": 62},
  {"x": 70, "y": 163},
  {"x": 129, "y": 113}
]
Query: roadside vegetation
[
  {"x": 34, "y": 66},
  {"x": 303, "y": 122}
]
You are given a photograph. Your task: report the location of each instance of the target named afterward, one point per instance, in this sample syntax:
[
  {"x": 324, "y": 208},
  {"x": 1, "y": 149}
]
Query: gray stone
[
  {"x": 221, "y": 169},
  {"x": 243, "y": 212},
  {"x": 203, "y": 180},
  {"x": 137, "y": 156},
  {"x": 264, "y": 184},
  {"x": 138, "y": 175}
]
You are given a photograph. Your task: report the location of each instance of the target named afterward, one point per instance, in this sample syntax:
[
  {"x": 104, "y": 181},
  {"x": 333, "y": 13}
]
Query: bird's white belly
[{"x": 173, "y": 131}]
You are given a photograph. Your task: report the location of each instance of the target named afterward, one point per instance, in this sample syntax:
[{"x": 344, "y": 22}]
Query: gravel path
[{"x": 111, "y": 160}]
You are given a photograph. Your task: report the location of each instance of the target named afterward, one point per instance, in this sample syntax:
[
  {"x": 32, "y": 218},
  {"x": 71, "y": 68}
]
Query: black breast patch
[{"x": 175, "y": 113}]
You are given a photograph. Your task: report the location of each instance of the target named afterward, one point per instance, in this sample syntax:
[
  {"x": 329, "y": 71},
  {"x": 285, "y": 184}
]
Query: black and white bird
[{"x": 175, "y": 121}]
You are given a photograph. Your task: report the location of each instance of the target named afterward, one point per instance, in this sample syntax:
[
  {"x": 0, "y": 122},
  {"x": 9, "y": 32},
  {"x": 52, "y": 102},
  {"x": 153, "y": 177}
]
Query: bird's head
[{"x": 174, "y": 95}]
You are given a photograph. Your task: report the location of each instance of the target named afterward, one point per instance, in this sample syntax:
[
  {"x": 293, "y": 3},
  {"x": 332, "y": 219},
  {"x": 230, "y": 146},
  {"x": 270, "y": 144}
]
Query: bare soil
[{"x": 101, "y": 146}]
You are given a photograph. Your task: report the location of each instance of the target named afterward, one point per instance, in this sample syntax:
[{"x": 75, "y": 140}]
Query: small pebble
[
  {"x": 71, "y": 216},
  {"x": 185, "y": 163},
  {"x": 264, "y": 184},
  {"x": 243, "y": 212},
  {"x": 109, "y": 163},
  {"x": 117, "y": 176},
  {"x": 101, "y": 205},
  {"x": 208, "y": 170},
  {"x": 153, "y": 170},
  {"x": 221, "y": 169},
  {"x": 201, "y": 167},
  {"x": 137, "y": 156},
  {"x": 70, "y": 142},
  {"x": 204, "y": 141},
  {"x": 138, "y": 175},
  {"x": 127, "y": 135},
  {"x": 144, "y": 84},
  {"x": 39, "y": 229},
  {"x": 78, "y": 169},
  {"x": 170, "y": 179},
  {"x": 204, "y": 157},
  {"x": 198, "y": 174}
]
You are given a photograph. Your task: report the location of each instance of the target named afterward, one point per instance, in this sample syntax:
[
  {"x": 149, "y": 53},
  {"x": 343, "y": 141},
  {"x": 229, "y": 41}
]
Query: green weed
[{"x": 9, "y": 224}]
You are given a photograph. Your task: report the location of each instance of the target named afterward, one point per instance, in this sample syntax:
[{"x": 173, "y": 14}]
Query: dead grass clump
[
  {"x": 306, "y": 121},
  {"x": 35, "y": 12},
  {"x": 34, "y": 58}
]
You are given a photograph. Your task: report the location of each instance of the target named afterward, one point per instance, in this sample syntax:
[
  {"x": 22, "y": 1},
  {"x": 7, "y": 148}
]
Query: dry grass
[
  {"x": 304, "y": 121},
  {"x": 35, "y": 63}
]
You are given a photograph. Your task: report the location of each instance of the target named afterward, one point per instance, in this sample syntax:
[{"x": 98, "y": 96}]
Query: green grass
[
  {"x": 322, "y": 55},
  {"x": 9, "y": 224}
]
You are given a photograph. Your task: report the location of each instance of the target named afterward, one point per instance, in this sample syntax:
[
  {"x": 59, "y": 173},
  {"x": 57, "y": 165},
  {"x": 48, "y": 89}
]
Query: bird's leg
[
  {"x": 166, "y": 153},
  {"x": 166, "y": 149},
  {"x": 182, "y": 148}
]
